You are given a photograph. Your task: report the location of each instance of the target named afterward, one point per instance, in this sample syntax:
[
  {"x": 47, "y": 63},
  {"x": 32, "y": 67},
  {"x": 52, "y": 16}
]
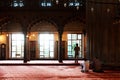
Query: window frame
[
  {"x": 16, "y": 46},
  {"x": 73, "y": 40}
]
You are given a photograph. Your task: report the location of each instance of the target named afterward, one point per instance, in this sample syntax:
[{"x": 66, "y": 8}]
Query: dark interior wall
[
  {"x": 103, "y": 34},
  {"x": 30, "y": 18}
]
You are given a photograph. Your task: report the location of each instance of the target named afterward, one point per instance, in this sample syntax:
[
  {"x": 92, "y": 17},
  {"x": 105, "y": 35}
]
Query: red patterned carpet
[
  {"x": 32, "y": 72},
  {"x": 50, "y": 70}
]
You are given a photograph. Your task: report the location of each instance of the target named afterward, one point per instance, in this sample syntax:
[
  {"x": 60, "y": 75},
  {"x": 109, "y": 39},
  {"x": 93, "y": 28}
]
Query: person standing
[{"x": 76, "y": 49}]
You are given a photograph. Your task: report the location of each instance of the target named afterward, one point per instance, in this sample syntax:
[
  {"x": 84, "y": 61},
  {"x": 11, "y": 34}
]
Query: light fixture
[
  {"x": 7, "y": 34},
  {"x": 27, "y": 36},
  {"x": 77, "y": 7},
  {"x": 92, "y": 9},
  {"x": 65, "y": 4},
  {"x": 108, "y": 10},
  {"x": 57, "y": 1}
]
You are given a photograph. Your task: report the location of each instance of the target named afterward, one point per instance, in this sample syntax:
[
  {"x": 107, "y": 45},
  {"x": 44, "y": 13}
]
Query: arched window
[
  {"x": 46, "y": 3},
  {"x": 17, "y": 3},
  {"x": 75, "y": 3}
]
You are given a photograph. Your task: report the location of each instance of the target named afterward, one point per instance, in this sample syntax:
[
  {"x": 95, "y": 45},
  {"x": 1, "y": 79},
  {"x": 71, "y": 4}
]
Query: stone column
[
  {"x": 60, "y": 51},
  {"x": 25, "y": 23},
  {"x": 25, "y": 47}
]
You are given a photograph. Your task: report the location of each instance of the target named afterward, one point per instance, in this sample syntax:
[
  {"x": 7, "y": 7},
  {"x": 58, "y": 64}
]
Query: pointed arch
[
  {"x": 75, "y": 23},
  {"x": 74, "y": 26},
  {"x": 11, "y": 24},
  {"x": 42, "y": 24}
]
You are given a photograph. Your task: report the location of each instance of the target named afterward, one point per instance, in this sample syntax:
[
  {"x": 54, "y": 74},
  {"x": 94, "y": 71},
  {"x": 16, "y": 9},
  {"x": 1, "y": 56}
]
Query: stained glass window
[
  {"x": 46, "y": 3},
  {"x": 75, "y": 3},
  {"x": 17, "y": 3}
]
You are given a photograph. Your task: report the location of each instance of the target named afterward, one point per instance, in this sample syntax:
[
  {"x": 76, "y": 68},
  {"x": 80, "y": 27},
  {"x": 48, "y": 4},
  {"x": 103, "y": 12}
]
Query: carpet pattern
[{"x": 53, "y": 73}]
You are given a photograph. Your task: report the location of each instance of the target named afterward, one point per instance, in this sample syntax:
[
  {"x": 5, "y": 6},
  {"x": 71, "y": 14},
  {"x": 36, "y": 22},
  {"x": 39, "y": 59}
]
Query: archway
[
  {"x": 14, "y": 40},
  {"x": 43, "y": 35},
  {"x": 73, "y": 32}
]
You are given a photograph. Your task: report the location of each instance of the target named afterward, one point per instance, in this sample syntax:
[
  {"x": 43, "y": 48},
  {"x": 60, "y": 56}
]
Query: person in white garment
[{"x": 85, "y": 66}]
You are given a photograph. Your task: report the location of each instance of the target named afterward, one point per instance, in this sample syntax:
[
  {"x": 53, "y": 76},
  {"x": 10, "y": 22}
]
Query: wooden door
[{"x": 32, "y": 49}]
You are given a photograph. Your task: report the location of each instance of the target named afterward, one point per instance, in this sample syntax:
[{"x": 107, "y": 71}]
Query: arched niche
[
  {"x": 43, "y": 26},
  {"x": 74, "y": 26},
  {"x": 13, "y": 27}
]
